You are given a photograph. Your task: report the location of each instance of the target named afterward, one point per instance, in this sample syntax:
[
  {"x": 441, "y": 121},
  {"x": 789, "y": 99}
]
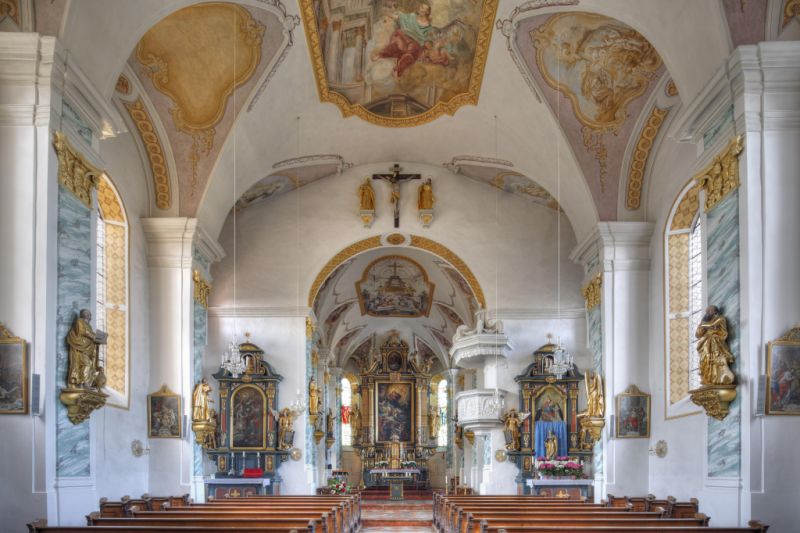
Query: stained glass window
[{"x": 347, "y": 394}]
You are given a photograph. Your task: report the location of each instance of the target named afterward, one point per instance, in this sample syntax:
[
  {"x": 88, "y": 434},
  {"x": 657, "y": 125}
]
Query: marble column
[{"x": 616, "y": 263}]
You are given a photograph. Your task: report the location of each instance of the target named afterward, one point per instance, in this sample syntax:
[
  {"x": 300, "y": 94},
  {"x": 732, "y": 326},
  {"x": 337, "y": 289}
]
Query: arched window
[
  {"x": 112, "y": 291},
  {"x": 441, "y": 398},
  {"x": 684, "y": 298},
  {"x": 347, "y": 396}
]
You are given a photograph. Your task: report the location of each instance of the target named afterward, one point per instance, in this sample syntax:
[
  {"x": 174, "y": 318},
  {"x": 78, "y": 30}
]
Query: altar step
[
  {"x": 408, "y": 494},
  {"x": 404, "y": 516}
]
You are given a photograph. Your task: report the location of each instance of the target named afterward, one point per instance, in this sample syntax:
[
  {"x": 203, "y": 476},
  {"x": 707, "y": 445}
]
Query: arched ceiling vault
[{"x": 691, "y": 38}]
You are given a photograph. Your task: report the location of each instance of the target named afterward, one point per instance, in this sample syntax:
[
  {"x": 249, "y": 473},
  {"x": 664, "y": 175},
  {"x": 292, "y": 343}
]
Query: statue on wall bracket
[
  {"x": 204, "y": 419},
  {"x": 592, "y": 421},
  {"x": 425, "y": 201},
  {"x": 85, "y": 375},
  {"x": 717, "y": 380}
]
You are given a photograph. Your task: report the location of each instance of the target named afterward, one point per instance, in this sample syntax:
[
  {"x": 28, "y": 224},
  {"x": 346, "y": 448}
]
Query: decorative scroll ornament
[
  {"x": 718, "y": 389},
  {"x": 722, "y": 176},
  {"x": 155, "y": 152},
  {"x": 74, "y": 171},
  {"x": 640, "y": 156},
  {"x": 202, "y": 289},
  {"x": 591, "y": 292}
]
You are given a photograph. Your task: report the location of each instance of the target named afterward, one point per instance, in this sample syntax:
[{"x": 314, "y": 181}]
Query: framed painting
[
  {"x": 164, "y": 414},
  {"x": 13, "y": 374},
  {"x": 633, "y": 414},
  {"x": 248, "y": 418},
  {"x": 394, "y": 408},
  {"x": 550, "y": 405},
  {"x": 783, "y": 374}
]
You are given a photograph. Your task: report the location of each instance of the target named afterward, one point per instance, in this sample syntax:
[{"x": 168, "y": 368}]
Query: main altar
[
  {"x": 394, "y": 441},
  {"x": 248, "y": 438}
]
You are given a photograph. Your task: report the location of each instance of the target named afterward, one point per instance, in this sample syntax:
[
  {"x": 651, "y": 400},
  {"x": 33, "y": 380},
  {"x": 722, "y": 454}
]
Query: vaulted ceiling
[{"x": 563, "y": 101}]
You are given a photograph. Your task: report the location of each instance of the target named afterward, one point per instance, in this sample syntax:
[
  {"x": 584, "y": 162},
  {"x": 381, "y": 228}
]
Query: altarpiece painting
[
  {"x": 248, "y": 415},
  {"x": 395, "y": 411}
]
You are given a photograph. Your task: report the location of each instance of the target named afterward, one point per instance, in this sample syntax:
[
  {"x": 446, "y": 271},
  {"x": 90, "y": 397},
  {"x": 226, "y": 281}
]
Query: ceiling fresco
[
  {"x": 596, "y": 74},
  {"x": 192, "y": 67},
  {"x": 510, "y": 182},
  {"x": 398, "y": 63},
  {"x": 288, "y": 179},
  {"x": 395, "y": 286}
]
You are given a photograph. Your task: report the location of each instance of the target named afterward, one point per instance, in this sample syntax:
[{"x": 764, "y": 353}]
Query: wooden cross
[{"x": 395, "y": 178}]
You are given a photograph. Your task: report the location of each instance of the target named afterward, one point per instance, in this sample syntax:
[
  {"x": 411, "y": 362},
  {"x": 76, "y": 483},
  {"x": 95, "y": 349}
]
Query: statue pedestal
[{"x": 81, "y": 402}]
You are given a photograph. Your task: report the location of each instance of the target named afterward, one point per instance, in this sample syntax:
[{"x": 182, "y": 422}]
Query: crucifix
[{"x": 395, "y": 178}]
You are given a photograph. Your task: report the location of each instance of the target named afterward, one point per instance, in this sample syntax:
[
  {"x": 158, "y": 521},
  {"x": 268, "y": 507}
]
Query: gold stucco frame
[{"x": 484, "y": 37}]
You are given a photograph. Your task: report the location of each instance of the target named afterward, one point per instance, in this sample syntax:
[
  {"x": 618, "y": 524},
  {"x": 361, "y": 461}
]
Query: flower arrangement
[
  {"x": 381, "y": 464},
  {"x": 559, "y": 467},
  {"x": 409, "y": 464},
  {"x": 337, "y": 486}
]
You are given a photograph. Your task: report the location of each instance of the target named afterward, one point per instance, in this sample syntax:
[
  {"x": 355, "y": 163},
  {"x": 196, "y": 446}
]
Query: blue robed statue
[{"x": 549, "y": 418}]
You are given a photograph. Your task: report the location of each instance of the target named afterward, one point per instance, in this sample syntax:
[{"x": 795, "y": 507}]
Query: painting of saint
[
  {"x": 248, "y": 414},
  {"x": 401, "y": 59},
  {"x": 633, "y": 416},
  {"x": 783, "y": 392},
  {"x": 395, "y": 414},
  {"x": 548, "y": 409},
  {"x": 395, "y": 286},
  {"x": 13, "y": 377},
  {"x": 164, "y": 414}
]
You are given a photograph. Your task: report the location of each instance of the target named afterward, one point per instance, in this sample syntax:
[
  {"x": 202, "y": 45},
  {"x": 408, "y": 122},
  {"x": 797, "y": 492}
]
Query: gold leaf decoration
[
  {"x": 74, "y": 171},
  {"x": 155, "y": 154},
  {"x": 640, "y": 156},
  {"x": 722, "y": 175}
]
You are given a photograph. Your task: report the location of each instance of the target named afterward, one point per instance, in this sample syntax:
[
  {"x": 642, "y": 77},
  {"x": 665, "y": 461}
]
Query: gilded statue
[
  {"x": 313, "y": 397},
  {"x": 329, "y": 422},
  {"x": 285, "y": 433},
  {"x": 425, "y": 198},
  {"x": 712, "y": 345},
  {"x": 595, "y": 403},
  {"x": 512, "y": 422},
  {"x": 366, "y": 195},
  {"x": 433, "y": 422},
  {"x": 200, "y": 401},
  {"x": 551, "y": 445},
  {"x": 84, "y": 367}
]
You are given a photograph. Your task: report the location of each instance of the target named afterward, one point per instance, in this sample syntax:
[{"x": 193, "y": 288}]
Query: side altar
[
  {"x": 548, "y": 439},
  {"x": 248, "y": 438},
  {"x": 394, "y": 441}
]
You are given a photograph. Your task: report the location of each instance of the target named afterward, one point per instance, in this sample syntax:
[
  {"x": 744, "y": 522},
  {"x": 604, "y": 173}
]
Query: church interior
[{"x": 407, "y": 265}]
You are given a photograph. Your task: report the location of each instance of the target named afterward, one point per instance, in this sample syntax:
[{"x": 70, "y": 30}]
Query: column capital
[
  {"x": 615, "y": 246},
  {"x": 171, "y": 242}
]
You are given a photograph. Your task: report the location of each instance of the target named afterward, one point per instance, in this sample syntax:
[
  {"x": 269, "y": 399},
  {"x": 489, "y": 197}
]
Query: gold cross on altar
[{"x": 395, "y": 178}]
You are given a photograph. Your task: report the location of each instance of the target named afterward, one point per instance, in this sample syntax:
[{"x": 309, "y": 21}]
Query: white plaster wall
[
  {"x": 118, "y": 472},
  {"x": 283, "y": 340},
  {"x": 283, "y": 242}
]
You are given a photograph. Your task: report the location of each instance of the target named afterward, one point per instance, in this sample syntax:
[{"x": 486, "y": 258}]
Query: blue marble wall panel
[
  {"x": 724, "y": 436},
  {"x": 200, "y": 334},
  {"x": 74, "y": 282},
  {"x": 594, "y": 326}
]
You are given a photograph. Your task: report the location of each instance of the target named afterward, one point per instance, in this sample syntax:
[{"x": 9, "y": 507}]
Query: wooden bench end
[{"x": 755, "y": 524}]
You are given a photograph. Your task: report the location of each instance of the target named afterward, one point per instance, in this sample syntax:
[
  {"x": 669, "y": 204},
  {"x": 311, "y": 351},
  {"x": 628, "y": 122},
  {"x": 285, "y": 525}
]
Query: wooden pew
[
  {"x": 40, "y": 526},
  {"x": 352, "y": 503},
  {"x": 442, "y": 506},
  {"x": 753, "y": 527},
  {"x": 331, "y": 518},
  {"x": 454, "y": 519},
  {"x": 310, "y": 524},
  {"x": 484, "y": 525}
]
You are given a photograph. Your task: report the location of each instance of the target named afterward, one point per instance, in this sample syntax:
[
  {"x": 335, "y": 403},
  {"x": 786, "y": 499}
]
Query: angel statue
[
  {"x": 595, "y": 403},
  {"x": 417, "y": 39},
  {"x": 285, "y": 419},
  {"x": 512, "y": 421}
]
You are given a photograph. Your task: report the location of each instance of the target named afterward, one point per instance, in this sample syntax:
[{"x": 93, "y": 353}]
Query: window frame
[
  {"x": 684, "y": 406},
  {"x": 348, "y": 445}
]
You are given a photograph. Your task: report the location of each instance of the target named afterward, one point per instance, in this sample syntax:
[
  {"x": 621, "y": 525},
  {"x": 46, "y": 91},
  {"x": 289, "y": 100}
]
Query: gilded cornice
[
  {"x": 416, "y": 242},
  {"x": 202, "y": 289},
  {"x": 640, "y": 156},
  {"x": 484, "y": 37},
  {"x": 591, "y": 292},
  {"x": 155, "y": 153},
  {"x": 722, "y": 175},
  {"x": 74, "y": 171},
  {"x": 791, "y": 10}
]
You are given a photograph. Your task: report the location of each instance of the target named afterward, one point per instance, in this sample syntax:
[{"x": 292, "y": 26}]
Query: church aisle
[{"x": 408, "y": 516}]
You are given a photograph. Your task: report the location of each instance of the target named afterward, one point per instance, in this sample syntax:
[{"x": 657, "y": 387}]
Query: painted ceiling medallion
[
  {"x": 395, "y": 286},
  {"x": 398, "y": 64},
  {"x": 197, "y": 56}
]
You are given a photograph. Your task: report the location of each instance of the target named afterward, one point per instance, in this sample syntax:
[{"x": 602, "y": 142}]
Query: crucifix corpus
[{"x": 395, "y": 178}]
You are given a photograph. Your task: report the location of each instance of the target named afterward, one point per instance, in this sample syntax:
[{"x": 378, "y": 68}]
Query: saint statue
[
  {"x": 200, "y": 401},
  {"x": 433, "y": 422},
  {"x": 712, "y": 345},
  {"x": 329, "y": 423},
  {"x": 512, "y": 422},
  {"x": 367, "y": 196},
  {"x": 285, "y": 433},
  {"x": 595, "y": 403},
  {"x": 426, "y": 198},
  {"x": 551, "y": 446},
  {"x": 313, "y": 397},
  {"x": 355, "y": 422},
  {"x": 84, "y": 369}
]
